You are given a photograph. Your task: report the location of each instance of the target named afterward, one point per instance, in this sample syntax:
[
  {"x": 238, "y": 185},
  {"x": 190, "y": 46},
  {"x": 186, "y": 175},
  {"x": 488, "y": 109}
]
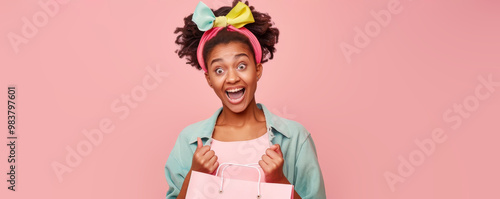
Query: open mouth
[{"x": 235, "y": 95}]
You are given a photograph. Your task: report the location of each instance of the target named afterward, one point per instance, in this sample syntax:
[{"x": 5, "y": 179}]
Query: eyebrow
[{"x": 235, "y": 57}]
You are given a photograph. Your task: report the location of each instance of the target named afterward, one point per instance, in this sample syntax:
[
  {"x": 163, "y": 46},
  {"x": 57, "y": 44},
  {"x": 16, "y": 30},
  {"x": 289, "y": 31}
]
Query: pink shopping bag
[{"x": 206, "y": 186}]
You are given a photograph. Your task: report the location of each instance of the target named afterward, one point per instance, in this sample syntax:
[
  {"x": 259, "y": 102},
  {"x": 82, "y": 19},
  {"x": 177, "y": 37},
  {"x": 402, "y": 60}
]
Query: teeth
[{"x": 234, "y": 90}]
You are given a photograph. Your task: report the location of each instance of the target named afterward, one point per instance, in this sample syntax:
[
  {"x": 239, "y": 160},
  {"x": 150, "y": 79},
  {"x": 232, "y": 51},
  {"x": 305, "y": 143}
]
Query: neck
[{"x": 250, "y": 115}]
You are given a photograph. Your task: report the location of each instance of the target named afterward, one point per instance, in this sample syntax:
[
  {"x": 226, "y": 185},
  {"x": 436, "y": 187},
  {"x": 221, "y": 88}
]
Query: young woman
[{"x": 230, "y": 44}]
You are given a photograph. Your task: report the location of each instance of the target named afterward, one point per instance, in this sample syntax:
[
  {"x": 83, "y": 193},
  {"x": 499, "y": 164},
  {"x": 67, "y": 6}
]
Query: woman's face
[{"x": 233, "y": 74}]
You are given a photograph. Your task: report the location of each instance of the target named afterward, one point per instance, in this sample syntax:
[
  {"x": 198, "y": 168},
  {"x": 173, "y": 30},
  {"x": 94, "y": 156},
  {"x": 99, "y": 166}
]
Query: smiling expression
[{"x": 233, "y": 74}]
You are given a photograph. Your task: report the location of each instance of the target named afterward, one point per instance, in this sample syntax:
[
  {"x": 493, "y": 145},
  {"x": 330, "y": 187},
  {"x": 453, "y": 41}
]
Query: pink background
[{"x": 364, "y": 114}]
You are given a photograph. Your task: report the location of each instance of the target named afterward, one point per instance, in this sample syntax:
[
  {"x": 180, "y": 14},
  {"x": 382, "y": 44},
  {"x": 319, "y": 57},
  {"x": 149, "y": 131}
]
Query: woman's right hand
[{"x": 204, "y": 159}]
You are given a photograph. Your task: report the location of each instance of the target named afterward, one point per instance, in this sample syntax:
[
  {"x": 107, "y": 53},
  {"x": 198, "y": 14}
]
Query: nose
[{"x": 232, "y": 76}]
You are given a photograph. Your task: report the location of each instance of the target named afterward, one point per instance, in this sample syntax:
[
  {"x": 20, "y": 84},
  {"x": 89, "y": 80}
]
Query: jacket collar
[{"x": 272, "y": 122}]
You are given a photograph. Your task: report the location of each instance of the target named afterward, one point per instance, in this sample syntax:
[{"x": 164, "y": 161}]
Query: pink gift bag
[{"x": 206, "y": 186}]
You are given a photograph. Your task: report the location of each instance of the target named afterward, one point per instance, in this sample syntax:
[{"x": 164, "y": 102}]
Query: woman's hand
[
  {"x": 204, "y": 159},
  {"x": 272, "y": 165}
]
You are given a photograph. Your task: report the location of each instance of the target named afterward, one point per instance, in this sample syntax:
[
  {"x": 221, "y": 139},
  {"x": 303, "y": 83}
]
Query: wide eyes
[{"x": 241, "y": 66}]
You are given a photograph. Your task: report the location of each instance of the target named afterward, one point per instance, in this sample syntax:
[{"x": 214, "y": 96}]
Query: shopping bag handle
[{"x": 242, "y": 165}]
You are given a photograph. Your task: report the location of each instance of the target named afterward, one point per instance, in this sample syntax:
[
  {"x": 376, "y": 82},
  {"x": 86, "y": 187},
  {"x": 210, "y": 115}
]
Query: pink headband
[
  {"x": 239, "y": 16},
  {"x": 212, "y": 32}
]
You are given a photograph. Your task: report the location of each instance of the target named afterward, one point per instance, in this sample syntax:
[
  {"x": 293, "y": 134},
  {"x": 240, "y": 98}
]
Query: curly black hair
[{"x": 262, "y": 28}]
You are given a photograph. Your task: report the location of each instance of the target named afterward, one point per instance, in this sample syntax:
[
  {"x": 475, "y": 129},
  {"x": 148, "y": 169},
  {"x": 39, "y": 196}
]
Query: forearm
[
  {"x": 182, "y": 193},
  {"x": 295, "y": 194}
]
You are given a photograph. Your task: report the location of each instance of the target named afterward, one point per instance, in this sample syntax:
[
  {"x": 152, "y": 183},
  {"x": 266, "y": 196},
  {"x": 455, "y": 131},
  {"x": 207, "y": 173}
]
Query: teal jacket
[{"x": 301, "y": 166}]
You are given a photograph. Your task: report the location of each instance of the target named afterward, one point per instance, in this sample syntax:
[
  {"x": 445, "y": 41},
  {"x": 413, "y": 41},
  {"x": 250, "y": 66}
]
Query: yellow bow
[{"x": 239, "y": 16}]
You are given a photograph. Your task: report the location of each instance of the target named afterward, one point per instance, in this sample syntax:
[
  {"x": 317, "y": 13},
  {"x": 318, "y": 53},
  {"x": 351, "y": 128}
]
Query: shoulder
[
  {"x": 194, "y": 129},
  {"x": 185, "y": 138},
  {"x": 292, "y": 129},
  {"x": 198, "y": 129}
]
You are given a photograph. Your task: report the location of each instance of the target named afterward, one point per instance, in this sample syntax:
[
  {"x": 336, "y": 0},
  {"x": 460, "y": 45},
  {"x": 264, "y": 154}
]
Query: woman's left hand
[{"x": 272, "y": 165}]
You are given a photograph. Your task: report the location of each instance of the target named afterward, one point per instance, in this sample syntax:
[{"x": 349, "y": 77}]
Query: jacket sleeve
[
  {"x": 177, "y": 167},
  {"x": 309, "y": 182}
]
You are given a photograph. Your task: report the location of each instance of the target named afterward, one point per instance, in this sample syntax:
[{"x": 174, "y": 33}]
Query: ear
[
  {"x": 208, "y": 79},
  {"x": 259, "y": 69}
]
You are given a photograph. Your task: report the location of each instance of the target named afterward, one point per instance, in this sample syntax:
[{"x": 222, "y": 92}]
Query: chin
[{"x": 237, "y": 108}]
